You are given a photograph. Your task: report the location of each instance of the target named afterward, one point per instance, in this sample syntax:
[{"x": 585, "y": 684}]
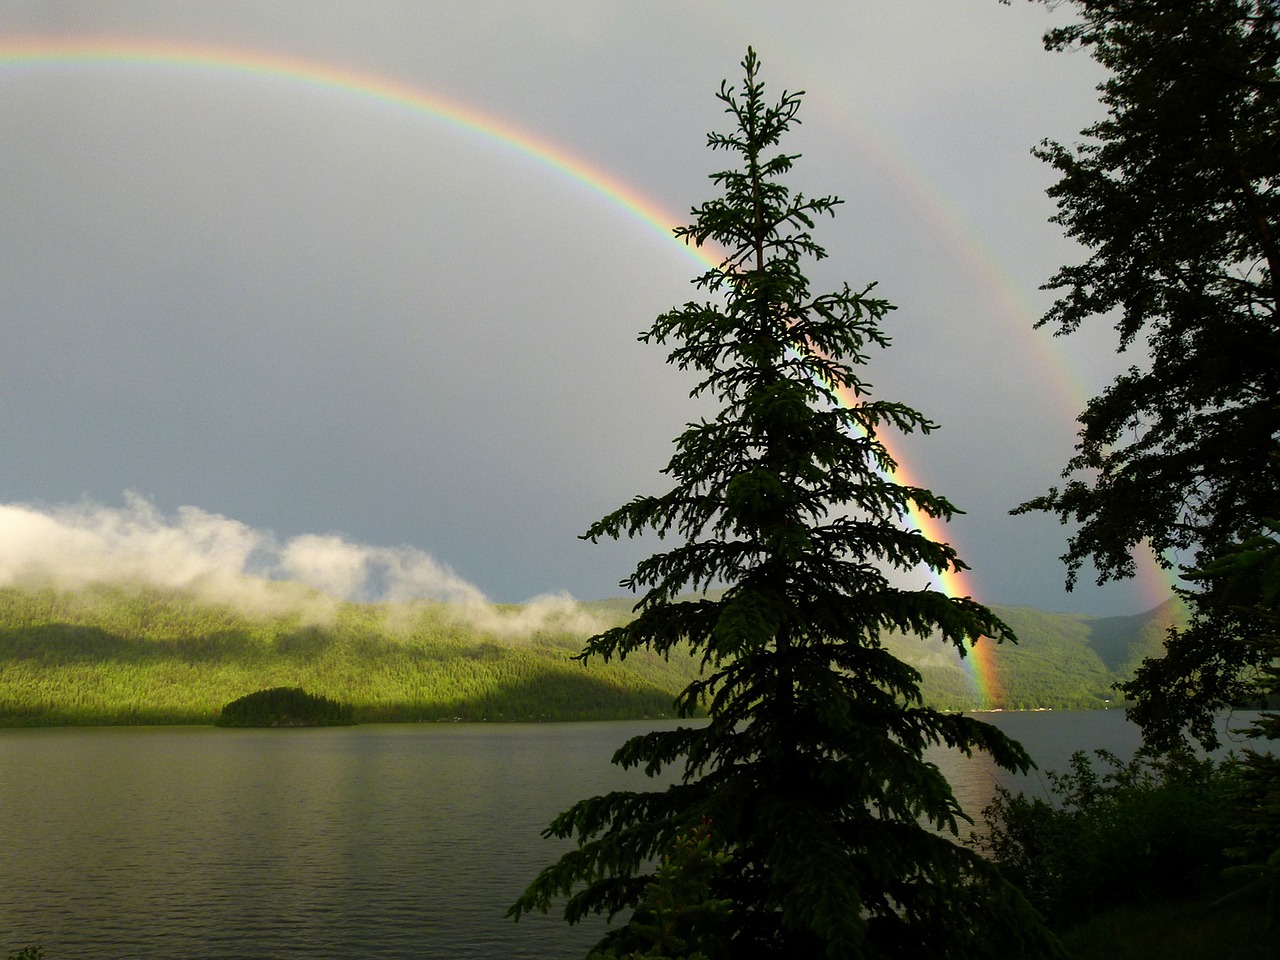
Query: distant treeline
[{"x": 147, "y": 656}]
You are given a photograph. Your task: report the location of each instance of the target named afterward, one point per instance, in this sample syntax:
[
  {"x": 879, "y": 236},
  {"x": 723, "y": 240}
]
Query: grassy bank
[{"x": 1175, "y": 930}]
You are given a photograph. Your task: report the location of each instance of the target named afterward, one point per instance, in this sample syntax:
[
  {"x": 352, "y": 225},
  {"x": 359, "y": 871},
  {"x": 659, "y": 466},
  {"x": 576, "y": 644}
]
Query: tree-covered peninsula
[{"x": 284, "y": 707}]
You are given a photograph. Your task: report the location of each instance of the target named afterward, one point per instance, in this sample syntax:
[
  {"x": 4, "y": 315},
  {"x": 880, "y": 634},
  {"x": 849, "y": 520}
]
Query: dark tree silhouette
[
  {"x": 1176, "y": 196},
  {"x": 836, "y": 836}
]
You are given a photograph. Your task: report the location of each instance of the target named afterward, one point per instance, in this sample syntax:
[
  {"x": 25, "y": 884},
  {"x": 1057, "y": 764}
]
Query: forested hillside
[
  {"x": 1061, "y": 660},
  {"x": 115, "y": 655}
]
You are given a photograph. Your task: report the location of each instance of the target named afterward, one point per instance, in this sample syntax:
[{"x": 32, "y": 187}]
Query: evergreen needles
[{"x": 832, "y": 833}]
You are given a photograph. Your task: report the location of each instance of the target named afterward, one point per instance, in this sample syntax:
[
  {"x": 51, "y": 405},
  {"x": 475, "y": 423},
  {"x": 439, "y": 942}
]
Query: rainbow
[
  {"x": 37, "y": 54},
  {"x": 980, "y": 660},
  {"x": 1154, "y": 580}
]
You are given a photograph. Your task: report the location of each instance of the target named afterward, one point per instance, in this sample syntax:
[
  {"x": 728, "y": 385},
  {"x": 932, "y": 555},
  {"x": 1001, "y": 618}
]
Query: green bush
[
  {"x": 284, "y": 707},
  {"x": 1152, "y": 828}
]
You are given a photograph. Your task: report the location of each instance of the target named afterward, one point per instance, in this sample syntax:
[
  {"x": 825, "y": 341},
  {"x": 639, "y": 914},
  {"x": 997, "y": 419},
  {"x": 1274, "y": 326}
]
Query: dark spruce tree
[
  {"x": 1175, "y": 195},
  {"x": 834, "y": 835}
]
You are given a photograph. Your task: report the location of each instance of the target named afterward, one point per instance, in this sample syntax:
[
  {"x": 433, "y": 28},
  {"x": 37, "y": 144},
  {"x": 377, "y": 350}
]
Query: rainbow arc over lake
[
  {"x": 327, "y": 78},
  {"x": 41, "y": 54}
]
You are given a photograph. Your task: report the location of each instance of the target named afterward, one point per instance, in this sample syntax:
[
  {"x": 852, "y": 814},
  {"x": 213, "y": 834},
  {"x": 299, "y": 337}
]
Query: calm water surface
[{"x": 391, "y": 841}]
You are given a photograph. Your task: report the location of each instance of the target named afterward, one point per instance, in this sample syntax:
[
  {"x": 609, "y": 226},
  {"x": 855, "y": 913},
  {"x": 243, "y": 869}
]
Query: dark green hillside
[
  {"x": 946, "y": 682},
  {"x": 1077, "y": 658},
  {"x": 1062, "y": 660},
  {"x": 1123, "y": 642},
  {"x": 113, "y": 656},
  {"x": 1053, "y": 664}
]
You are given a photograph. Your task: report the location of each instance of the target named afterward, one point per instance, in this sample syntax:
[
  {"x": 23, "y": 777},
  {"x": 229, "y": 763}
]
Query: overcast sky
[{"x": 314, "y": 314}]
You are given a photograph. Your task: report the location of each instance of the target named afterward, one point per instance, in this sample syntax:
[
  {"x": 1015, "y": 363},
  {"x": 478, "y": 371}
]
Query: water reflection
[{"x": 369, "y": 841}]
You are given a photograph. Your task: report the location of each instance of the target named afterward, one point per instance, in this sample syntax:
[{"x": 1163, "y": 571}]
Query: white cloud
[
  {"x": 328, "y": 563},
  {"x": 226, "y": 561}
]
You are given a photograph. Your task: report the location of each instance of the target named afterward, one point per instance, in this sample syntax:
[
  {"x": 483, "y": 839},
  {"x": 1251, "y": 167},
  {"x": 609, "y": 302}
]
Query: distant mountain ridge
[
  {"x": 1061, "y": 660},
  {"x": 113, "y": 655}
]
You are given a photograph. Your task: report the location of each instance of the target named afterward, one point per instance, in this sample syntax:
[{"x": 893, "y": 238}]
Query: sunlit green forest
[
  {"x": 139, "y": 656},
  {"x": 117, "y": 655}
]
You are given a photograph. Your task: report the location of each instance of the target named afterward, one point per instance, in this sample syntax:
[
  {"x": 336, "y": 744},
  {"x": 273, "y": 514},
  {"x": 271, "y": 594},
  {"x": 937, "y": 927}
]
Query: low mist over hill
[
  {"x": 123, "y": 653},
  {"x": 208, "y": 557}
]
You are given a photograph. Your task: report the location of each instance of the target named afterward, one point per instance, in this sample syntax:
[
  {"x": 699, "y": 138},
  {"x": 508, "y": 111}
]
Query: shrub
[
  {"x": 284, "y": 707},
  {"x": 1154, "y": 827}
]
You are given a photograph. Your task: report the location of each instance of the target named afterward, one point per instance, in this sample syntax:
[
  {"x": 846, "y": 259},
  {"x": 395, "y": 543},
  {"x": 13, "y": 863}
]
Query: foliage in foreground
[
  {"x": 1135, "y": 862},
  {"x": 1179, "y": 929},
  {"x": 837, "y": 834},
  {"x": 1245, "y": 582},
  {"x": 679, "y": 909},
  {"x": 1175, "y": 194},
  {"x": 1149, "y": 830}
]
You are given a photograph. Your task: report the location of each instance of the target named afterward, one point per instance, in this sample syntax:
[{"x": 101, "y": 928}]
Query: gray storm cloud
[{"x": 71, "y": 547}]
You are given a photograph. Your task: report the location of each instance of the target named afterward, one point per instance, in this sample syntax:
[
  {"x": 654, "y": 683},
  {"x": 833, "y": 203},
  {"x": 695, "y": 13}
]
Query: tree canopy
[
  {"x": 831, "y": 834},
  {"x": 1174, "y": 195}
]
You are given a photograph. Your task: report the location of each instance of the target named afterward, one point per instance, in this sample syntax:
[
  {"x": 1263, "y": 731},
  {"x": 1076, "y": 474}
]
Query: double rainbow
[{"x": 40, "y": 54}]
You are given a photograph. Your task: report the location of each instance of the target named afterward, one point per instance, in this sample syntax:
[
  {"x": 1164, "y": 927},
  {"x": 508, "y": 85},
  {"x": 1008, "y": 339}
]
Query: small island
[{"x": 284, "y": 707}]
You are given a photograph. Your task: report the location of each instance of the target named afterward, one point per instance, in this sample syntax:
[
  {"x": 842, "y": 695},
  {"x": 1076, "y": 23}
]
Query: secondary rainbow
[
  {"x": 949, "y": 223},
  {"x": 36, "y": 54}
]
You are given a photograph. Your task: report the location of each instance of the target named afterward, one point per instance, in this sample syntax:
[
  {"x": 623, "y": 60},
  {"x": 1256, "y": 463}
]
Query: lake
[{"x": 381, "y": 841}]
